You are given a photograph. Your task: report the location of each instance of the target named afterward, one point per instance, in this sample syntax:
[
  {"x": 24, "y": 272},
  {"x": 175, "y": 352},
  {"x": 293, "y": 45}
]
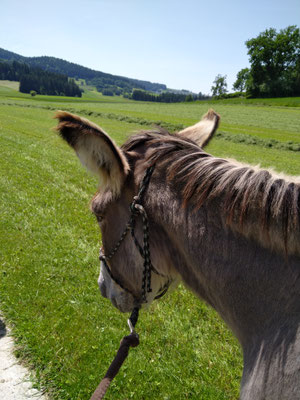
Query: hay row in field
[
  {"x": 131, "y": 120},
  {"x": 255, "y": 141},
  {"x": 235, "y": 138}
]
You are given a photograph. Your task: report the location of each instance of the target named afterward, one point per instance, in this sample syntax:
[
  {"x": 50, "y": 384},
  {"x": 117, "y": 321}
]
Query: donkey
[{"x": 229, "y": 231}]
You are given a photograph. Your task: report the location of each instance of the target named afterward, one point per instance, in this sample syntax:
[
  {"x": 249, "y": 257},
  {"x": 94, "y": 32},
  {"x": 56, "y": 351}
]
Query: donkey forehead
[{"x": 102, "y": 200}]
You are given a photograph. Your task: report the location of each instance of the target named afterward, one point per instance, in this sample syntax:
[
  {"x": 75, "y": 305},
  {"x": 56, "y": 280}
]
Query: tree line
[
  {"x": 38, "y": 80},
  {"x": 112, "y": 86},
  {"x": 166, "y": 97},
  {"x": 274, "y": 66}
]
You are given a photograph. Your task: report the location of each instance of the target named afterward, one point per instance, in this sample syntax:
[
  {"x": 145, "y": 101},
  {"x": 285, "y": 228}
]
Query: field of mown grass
[{"x": 49, "y": 246}]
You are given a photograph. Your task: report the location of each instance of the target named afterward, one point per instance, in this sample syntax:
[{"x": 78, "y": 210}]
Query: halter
[
  {"x": 131, "y": 340},
  {"x": 136, "y": 209}
]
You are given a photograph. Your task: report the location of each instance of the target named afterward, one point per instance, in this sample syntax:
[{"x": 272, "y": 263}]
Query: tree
[
  {"x": 107, "y": 92},
  {"x": 275, "y": 59},
  {"x": 219, "y": 87},
  {"x": 189, "y": 97},
  {"x": 242, "y": 78}
]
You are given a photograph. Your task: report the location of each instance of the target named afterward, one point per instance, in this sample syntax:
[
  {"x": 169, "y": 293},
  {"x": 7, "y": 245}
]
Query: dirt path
[{"x": 14, "y": 378}]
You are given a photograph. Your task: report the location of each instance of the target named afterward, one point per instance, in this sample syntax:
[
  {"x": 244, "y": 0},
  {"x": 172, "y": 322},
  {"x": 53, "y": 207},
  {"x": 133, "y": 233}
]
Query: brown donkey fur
[{"x": 230, "y": 232}]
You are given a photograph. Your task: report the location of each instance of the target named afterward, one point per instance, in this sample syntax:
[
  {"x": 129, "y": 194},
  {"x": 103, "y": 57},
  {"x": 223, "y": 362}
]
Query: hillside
[
  {"x": 34, "y": 79},
  {"x": 118, "y": 84}
]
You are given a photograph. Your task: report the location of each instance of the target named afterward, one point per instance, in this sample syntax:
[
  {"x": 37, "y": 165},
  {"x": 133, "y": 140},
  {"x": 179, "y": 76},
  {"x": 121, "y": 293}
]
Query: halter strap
[{"x": 137, "y": 209}]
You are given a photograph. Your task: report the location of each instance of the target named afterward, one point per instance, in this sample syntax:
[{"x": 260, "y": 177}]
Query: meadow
[{"x": 65, "y": 331}]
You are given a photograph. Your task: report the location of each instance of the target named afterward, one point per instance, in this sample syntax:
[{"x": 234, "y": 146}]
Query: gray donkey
[{"x": 229, "y": 231}]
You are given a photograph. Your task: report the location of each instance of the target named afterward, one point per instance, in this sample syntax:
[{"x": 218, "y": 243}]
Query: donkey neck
[
  {"x": 256, "y": 291},
  {"x": 271, "y": 365},
  {"x": 251, "y": 287}
]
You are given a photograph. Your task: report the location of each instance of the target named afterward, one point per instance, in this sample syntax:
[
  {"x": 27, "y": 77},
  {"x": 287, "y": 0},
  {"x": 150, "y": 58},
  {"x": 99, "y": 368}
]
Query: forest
[
  {"x": 36, "y": 80},
  {"x": 116, "y": 84},
  {"x": 166, "y": 97}
]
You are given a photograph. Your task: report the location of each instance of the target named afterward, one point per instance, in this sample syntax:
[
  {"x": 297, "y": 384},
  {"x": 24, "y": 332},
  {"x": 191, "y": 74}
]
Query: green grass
[
  {"x": 10, "y": 84},
  {"x": 272, "y": 122},
  {"x": 49, "y": 245},
  {"x": 266, "y": 124},
  {"x": 9, "y": 90}
]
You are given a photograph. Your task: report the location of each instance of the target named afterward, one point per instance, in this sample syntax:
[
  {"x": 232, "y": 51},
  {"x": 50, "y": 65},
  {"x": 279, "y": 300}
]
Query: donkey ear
[
  {"x": 203, "y": 131},
  {"x": 95, "y": 149}
]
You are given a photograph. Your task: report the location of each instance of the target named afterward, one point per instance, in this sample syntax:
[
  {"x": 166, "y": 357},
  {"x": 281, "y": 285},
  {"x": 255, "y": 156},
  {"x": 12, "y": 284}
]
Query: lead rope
[{"x": 131, "y": 340}]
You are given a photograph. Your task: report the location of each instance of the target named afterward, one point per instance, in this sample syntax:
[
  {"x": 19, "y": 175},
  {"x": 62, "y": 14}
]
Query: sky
[{"x": 183, "y": 44}]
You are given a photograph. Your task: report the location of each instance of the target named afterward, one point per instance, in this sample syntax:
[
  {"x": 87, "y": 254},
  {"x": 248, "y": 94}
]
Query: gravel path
[{"x": 14, "y": 378}]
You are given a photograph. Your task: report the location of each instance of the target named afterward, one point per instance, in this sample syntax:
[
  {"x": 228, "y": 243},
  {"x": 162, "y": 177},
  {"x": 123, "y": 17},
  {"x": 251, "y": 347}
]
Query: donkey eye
[{"x": 99, "y": 217}]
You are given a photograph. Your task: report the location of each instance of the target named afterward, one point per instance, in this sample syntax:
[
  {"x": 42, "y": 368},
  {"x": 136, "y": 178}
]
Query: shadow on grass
[{"x": 3, "y": 330}]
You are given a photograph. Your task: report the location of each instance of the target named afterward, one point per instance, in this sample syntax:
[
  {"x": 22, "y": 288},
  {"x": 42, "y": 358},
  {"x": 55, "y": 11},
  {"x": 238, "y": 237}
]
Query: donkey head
[{"x": 121, "y": 275}]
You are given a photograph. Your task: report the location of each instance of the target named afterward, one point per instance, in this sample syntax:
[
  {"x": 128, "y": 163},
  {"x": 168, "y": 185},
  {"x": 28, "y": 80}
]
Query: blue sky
[{"x": 183, "y": 44}]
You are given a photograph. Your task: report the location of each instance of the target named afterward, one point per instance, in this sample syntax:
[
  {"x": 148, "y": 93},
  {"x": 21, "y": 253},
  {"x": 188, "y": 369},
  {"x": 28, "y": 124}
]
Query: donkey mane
[{"x": 255, "y": 202}]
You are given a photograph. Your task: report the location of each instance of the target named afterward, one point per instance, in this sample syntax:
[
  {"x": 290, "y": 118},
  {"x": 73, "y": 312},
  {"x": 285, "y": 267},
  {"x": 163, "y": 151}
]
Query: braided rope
[
  {"x": 118, "y": 244},
  {"x": 136, "y": 209}
]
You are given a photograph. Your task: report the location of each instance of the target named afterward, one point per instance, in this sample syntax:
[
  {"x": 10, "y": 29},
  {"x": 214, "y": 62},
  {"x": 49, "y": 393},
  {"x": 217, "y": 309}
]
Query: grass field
[{"x": 49, "y": 254}]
